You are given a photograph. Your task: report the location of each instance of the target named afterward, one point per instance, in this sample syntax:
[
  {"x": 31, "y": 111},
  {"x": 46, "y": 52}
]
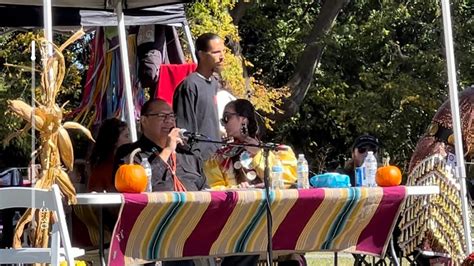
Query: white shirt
[{"x": 223, "y": 97}]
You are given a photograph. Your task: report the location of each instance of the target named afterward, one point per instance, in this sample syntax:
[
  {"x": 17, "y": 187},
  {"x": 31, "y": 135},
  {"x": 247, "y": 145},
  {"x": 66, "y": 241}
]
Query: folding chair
[{"x": 21, "y": 197}]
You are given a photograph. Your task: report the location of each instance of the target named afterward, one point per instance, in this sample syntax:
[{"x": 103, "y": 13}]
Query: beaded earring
[{"x": 244, "y": 129}]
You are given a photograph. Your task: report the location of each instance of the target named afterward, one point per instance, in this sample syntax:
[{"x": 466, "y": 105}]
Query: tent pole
[
  {"x": 126, "y": 72},
  {"x": 460, "y": 169},
  {"x": 48, "y": 24},
  {"x": 189, "y": 38}
]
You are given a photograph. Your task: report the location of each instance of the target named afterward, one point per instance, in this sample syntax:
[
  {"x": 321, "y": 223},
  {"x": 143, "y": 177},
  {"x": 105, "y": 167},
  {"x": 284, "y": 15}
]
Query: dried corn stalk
[{"x": 55, "y": 148}]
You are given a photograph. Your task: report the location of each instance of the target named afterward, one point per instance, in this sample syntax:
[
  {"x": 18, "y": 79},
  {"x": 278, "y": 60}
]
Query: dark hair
[
  {"x": 202, "y": 42},
  {"x": 146, "y": 106},
  {"x": 366, "y": 139},
  {"x": 245, "y": 108},
  {"x": 106, "y": 139}
]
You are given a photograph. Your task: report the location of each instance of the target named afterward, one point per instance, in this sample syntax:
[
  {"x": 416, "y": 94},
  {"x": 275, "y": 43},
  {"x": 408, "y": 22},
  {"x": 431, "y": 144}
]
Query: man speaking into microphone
[{"x": 173, "y": 168}]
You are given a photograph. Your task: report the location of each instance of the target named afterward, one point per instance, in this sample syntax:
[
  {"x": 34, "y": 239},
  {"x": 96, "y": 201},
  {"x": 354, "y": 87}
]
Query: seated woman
[
  {"x": 241, "y": 167},
  {"x": 113, "y": 133}
]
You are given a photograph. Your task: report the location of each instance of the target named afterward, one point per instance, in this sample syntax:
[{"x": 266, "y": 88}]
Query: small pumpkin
[
  {"x": 388, "y": 175},
  {"x": 131, "y": 178}
]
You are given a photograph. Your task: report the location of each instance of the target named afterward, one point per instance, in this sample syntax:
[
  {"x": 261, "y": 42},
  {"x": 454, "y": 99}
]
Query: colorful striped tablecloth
[{"x": 175, "y": 225}]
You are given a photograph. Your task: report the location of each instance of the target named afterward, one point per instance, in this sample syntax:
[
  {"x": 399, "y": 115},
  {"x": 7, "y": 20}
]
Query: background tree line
[
  {"x": 381, "y": 70},
  {"x": 323, "y": 71}
]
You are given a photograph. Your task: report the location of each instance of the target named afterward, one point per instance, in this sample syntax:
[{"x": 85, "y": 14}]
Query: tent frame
[
  {"x": 130, "y": 109},
  {"x": 460, "y": 168}
]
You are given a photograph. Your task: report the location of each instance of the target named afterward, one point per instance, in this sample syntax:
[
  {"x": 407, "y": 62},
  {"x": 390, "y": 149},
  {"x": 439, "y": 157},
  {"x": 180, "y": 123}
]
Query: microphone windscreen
[
  {"x": 182, "y": 133},
  {"x": 282, "y": 147}
]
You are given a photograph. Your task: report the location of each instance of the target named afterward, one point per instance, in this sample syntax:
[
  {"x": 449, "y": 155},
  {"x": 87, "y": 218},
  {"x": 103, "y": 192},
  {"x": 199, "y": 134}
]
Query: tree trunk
[
  {"x": 239, "y": 11},
  {"x": 301, "y": 80}
]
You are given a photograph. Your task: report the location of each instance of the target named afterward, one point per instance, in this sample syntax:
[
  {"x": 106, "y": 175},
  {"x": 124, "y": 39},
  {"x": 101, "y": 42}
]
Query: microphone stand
[{"x": 267, "y": 147}]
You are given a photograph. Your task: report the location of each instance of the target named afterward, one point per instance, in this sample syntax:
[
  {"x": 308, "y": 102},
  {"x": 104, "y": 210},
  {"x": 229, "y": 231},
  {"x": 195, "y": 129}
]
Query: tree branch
[
  {"x": 238, "y": 12},
  {"x": 301, "y": 80}
]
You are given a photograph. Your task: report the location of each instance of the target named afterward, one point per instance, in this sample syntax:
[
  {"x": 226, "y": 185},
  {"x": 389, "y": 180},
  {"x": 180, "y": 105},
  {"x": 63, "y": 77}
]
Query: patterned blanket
[{"x": 175, "y": 225}]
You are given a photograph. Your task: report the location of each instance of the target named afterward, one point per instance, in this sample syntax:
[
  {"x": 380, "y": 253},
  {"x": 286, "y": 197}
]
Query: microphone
[
  {"x": 185, "y": 134},
  {"x": 278, "y": 147},
  {"x": 282, "y": 147}
]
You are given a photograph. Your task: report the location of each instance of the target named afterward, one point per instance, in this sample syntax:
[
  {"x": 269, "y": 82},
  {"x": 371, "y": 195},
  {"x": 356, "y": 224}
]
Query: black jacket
[{"x": 188, "y": 166}]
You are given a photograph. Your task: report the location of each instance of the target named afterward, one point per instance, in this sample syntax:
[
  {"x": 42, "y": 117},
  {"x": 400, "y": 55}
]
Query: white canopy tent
[
  {"x": 109, "y": 5},
  {"x": 95, "y": 4}
]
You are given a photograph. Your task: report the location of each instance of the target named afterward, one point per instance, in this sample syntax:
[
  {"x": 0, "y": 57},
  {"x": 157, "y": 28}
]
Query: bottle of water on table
[
  {"x": 370, "y": 163},
  {"x": 277, "y": 173},
  {"x": 302, "y": 172},
  {"x": 148, "y": 172}
]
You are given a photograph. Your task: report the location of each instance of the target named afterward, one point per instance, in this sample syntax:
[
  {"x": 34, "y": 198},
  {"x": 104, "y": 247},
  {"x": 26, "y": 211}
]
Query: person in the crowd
[
  {"x": 233, "y": 166},
  {"x": 361, "y": 146},
  {"x": 194, "y": 100},
  {"x": 160, "y": 142},
  {"x": 171, "y": 165},
  {"x": 113, "y": 133},
  {"x": 243, "y": 167}
]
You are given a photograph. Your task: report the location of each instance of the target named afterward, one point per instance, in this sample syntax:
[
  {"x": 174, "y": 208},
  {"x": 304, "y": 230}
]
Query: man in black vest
[{"x": 159, "y": 143}]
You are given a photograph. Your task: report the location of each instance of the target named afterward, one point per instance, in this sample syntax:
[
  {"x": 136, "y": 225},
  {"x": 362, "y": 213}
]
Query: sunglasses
[
  {"x": 226, "y": 117},
  {"x": 365, "y": 149},
  {"x": 163, "y": 116}
]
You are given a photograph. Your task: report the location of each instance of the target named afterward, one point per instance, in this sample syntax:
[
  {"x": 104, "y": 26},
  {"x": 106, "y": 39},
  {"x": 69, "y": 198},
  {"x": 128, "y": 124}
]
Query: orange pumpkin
[
  {"x": 388, "y": 175},
  {"x": 131, "y": 178}
]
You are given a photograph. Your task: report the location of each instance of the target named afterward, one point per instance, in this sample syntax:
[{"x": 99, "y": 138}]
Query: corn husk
[{"x": 56, "y": 150}]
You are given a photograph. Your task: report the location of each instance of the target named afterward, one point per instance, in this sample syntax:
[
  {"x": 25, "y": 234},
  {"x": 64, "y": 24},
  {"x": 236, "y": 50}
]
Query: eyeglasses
[
  {"x": 367, "y": 148},
  {"x": 226, "y": 117},
  {"x": 163, "y": 116}
]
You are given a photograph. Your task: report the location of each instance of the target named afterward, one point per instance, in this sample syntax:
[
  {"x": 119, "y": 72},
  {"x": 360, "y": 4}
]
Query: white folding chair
[{"x": 21, "y": 197}]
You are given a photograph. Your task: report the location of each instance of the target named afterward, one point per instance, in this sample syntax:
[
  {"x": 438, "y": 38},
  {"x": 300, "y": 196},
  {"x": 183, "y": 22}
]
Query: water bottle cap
[
  {"x": 300, "y": 155},
  {"x": 277, "y": 168}
]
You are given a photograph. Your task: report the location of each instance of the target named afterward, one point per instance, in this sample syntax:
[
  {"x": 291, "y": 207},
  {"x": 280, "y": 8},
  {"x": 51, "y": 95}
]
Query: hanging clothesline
[
  {"x": 149, "y": 47},
  {"x": 103, "y": 95}
]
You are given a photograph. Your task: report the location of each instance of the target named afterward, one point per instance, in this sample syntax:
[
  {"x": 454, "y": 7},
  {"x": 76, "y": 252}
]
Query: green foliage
[
  {"x": 273, "y": 35},
  {"x": 15, "y": 83},
  {"x": 382, "y": 72},
  {"x": 212, "y": 16}
]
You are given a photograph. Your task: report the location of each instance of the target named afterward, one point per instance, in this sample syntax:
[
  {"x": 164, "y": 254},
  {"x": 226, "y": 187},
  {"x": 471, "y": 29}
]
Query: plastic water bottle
[
  {"x": 360, "y": 180},
  {"x": 277, "y": 173},
  {"x": 148, "y": 172},
  {"x": 302, "y": 172},
  {"x": 370, "y": 164}
]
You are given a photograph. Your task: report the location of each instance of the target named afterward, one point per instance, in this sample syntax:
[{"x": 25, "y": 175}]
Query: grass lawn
[{"x": 327, "y": 259}]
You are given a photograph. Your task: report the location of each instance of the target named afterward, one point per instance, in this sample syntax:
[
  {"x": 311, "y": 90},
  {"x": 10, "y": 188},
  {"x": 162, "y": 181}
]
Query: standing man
[{"x": 194, "y": 101}]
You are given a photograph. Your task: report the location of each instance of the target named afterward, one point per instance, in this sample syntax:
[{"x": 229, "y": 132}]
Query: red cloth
[
  {"x": 171, "y": 75},
  {"x": 101, "y": 177}
]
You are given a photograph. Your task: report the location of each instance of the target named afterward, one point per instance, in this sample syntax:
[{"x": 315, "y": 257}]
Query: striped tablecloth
[{"x": 174, "y": 225}]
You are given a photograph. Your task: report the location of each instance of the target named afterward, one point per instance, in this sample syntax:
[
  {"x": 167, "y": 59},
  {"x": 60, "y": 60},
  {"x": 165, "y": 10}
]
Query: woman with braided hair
[{"x": 242, "y": 167}]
